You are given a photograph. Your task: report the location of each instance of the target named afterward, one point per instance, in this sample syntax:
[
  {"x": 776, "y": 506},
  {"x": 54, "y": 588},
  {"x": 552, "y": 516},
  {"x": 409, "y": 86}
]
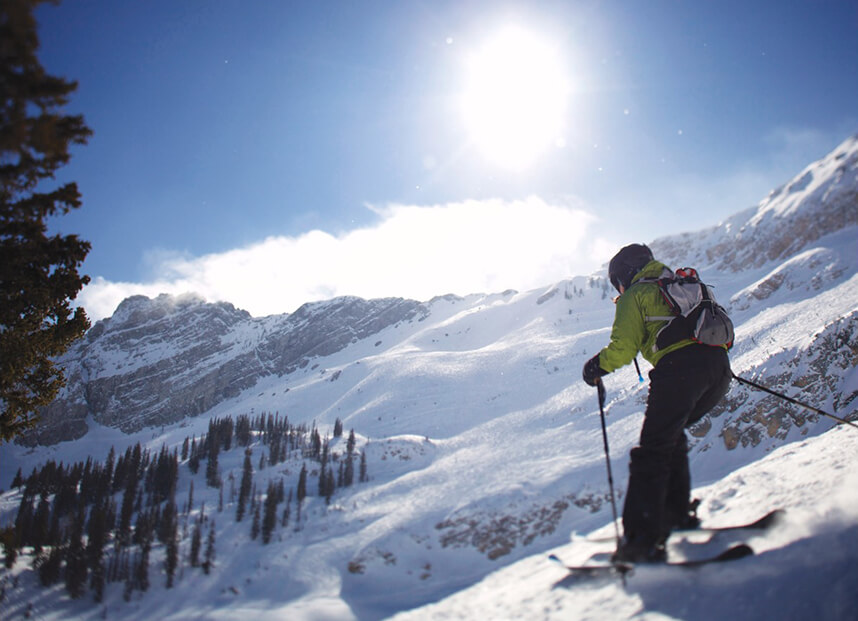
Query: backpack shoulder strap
[{"x": 662, "y": 281}]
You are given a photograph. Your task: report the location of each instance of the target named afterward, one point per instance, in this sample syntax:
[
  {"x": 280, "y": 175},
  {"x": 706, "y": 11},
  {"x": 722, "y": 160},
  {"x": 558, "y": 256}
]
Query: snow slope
[
  {"x": 805, "y": 568},
  {"x": 485, "y": 453}
]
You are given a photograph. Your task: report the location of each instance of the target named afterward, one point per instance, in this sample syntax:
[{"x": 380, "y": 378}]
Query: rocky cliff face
[
  {"x": 820, "y": 200},
  {"x": 816, "y": 373},
  {"x": 157, "y": 361}
]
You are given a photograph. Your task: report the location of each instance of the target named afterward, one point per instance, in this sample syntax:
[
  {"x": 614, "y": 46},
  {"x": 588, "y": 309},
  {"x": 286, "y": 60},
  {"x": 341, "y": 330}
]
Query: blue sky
[{"x": 271, "y": 153}]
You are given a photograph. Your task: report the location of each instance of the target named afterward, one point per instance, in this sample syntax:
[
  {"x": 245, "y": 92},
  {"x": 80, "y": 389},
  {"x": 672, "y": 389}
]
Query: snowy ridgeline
[{"x": 484, "y": 449}]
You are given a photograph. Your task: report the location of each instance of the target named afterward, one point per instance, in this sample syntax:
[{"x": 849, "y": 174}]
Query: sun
[{"x": 515, "y": 97}]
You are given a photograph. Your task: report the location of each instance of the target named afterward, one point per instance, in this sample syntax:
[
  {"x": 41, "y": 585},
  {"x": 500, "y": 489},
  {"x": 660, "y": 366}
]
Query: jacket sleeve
[{"x": 627, "y": 335}]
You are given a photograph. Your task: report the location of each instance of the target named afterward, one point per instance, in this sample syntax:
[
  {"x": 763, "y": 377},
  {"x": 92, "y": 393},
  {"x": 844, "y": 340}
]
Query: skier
[{"x": 688, "y": 380}]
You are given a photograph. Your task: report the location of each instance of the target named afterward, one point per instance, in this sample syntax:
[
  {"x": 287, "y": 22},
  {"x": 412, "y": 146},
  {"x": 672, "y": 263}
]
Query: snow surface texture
[{"x": 485, "y": 452}]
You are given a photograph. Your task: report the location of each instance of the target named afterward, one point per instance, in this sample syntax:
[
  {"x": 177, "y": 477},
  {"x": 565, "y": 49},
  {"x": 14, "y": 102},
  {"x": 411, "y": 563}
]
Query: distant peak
[{"x": 138, "y": 308}]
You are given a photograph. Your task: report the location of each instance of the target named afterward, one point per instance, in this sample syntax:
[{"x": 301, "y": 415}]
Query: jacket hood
[{"x": 653, "y": 269}]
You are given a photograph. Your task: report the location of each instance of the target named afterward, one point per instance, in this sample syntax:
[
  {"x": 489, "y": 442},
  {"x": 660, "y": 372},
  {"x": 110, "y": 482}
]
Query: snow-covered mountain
[
  {"x": 155, "y": 362},
  {"x": 819, "y": 201},
  {"x": 483, "y": 446}
]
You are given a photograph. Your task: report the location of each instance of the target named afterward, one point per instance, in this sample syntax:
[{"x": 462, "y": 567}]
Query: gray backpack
[{"x": 695, "y": 313}]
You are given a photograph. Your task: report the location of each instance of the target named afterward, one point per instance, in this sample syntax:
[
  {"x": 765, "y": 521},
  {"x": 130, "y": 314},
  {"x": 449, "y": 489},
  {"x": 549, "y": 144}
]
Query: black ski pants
[{"x": 684, "y": 386}]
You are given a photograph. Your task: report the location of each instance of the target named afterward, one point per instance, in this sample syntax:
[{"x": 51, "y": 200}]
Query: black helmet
[{"x": 626, "y": 263}]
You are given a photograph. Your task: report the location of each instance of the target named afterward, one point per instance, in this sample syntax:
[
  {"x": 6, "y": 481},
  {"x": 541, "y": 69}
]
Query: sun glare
[{"x": 514, "y": 103}]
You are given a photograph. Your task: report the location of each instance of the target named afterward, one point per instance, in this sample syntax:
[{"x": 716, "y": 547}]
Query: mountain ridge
[
  {"x": 819, "y": 200},
  {"x": 158, "y": 361}
]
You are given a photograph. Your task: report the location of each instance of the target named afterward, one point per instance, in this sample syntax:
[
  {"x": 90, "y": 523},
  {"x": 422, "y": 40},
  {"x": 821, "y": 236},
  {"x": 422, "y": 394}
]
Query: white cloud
[{"x": 413, "y": 251}]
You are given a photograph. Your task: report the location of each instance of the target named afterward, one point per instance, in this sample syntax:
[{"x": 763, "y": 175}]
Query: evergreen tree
[
  {"x": 212, "y": 471},
  {"x": 41, "y": 524},
  {"x": 325, "y": 452},
  {"x": 269, "y": 520},
  {"x": 97, "y": 537},
  {"x": 227, "y": 431},
  {"x": 349, "y": 471},
  {"x": 18, "y": 481},
  {"x": 330, "y": 486},
  {"x": 129, "y": 581},
  {"x": 50, "y": 568},
  {"x": 191, "y": 499},
  {"x": 274, "y": 448},
  {"x": 196, "y": 543},
  {"x": 167, "y": 523},
  {"x": 10, "y": 546},
  {"x": 316, "y": 441},
  {"x": 76, "y": 566},
  {"x": 302, "y": 489},
  {"x": 256, "y": 523},
  {"x": 302, "y": 484},
  {"x": 208, "y": 563},
  {"x": 38, "y": 273},
  {"x": 97, "y": 581},
  {"x": 172, "y": 557},
  {"x": 24, "y": 521},
  {"x": 104, "y": 480},
  {"x": 363, "y": 476},
  {"x": 246, "y": 484},
  {"x": 54, "y": 535},
  {"x": 338, "y": 428},
  {"x": 323, "y": 482},
  {"x": 124, "y": 565},
  {"x": 127, "y": 510},
  {"x": 287, "y": 511},
  {"x": 194, "y": 460},
  {"x": 242, "y": 430},
  {"x": 141, "y": 572}
]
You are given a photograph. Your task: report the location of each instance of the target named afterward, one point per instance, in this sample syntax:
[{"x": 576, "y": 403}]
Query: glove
[{"x": 592, "y": 371}]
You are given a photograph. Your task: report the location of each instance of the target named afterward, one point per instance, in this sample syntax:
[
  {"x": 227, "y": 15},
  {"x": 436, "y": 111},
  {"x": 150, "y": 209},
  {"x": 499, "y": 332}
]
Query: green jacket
[{"x": 631, "y": 332}]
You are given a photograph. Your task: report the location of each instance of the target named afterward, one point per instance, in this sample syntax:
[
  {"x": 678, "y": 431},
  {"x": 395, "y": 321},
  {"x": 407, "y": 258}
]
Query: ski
[
  {"x": 623, "y": 569},
  {"x": 766, "y": 522},
  {"x": 593, "y": 570}
]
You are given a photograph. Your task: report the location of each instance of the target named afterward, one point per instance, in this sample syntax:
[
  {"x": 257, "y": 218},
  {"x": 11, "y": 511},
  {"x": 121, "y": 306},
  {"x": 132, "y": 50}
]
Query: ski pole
[
  {"x": 638, "y": 369},
  {"x": 601, "y": 390},
  {"x": 794, "y": 401}
]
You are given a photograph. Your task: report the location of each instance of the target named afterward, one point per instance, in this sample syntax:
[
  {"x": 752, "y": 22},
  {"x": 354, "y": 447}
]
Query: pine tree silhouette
[
  {"x": 363, "y": 474},
  {"x": 39, "y": 270},
  {"x": 97, "y": 531},
  {"x": 246, "y": 484},
  {"x": 76, "y": 570},
  {"x": 208, "y": 563},
  {"x": 269, "y": 520},
  {"x": 256, "y": 524},
  {"x": 172, "y": 559},
  {"x": 212, "y": 470},
  {"x": 196, "y": 544}
]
